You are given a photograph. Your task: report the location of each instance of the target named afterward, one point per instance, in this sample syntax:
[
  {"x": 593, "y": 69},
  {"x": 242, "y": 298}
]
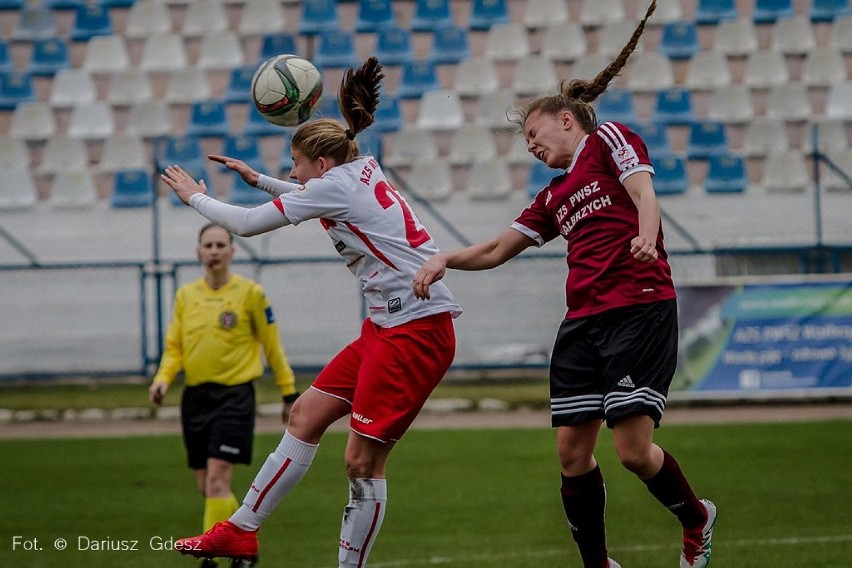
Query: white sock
[
  {"x": 283, "y": 469},
  {"x": 362, "y": 519}
]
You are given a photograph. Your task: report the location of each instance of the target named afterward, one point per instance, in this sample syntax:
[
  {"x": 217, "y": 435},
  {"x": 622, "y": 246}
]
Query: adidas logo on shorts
[{"x": 627, "y": 383}]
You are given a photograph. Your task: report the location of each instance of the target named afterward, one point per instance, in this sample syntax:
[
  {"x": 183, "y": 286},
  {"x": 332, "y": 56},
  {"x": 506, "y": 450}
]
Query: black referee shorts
[
  {"x": 218, "y": 422},
  {"x": 615, "y": 364}
]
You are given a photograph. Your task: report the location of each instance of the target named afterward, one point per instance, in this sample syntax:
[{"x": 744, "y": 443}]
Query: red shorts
[{"x": 388, "y": 373}]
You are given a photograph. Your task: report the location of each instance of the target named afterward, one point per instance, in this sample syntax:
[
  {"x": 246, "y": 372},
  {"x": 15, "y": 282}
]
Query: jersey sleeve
[
  {"x": 274, "y": 186},
  {"x": 536, "y": 222},
  {"x": 266, "y": 331},
  {"x": 172, "y": 360},
  {"x": 624, "y": 150},
  {"x": 325, "y": 197}
]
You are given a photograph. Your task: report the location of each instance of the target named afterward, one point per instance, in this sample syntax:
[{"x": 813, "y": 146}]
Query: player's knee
[{"x": 634, "y": 460}]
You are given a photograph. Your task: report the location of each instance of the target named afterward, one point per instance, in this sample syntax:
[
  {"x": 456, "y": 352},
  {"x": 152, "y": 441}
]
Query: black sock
[
  {"x": 671, "y": 488},
  {"x": 584, "y": 501}
]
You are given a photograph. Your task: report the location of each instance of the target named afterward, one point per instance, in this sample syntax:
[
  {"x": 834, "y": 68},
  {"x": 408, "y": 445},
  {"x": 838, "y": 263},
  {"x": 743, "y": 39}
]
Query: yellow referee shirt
[{"x": 216, "y": 336}]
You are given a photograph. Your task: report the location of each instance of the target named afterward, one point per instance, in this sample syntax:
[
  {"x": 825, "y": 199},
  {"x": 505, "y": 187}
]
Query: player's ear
[{"x": 566, "y": 118}]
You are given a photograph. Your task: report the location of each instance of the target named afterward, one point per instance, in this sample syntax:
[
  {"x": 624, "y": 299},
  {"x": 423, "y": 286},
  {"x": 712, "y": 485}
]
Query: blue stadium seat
[
  {"x": 318, "y": 16},
  {"x": 670, "y": 175},
  {"x": 374, "y": 15},
  {"x": 431, "y": 14},
  {"x": 286, "y": 161},
  {"x": 117, "y": 3},
  {"x": 243, "y": 147},
  {"x": 328, "y": 107},
  {"x": 706, "y": 139},
  {"x": 11, "y": 4},
  {"x": 388, "y": 114},
  {"x": 393, "y": 46},
  {"x": 15, "y": 87},
  {"x": 417, "y": 78},
  {"x": 132, "y": 188},
  {"x": 48, "y": 57},
  {"x": 540, "y": 175},
  {"x": 198, "y": 172},
  {"x": 656, "y": 138},
  {"x": 768, "y": 11},
  {"x": 450, "y": 45},
  {"x": 829, "y": 10},
  {"x": 258, "y": 126},
  {"x": 208, "y": 119},
  {"x": 486, "y": 13},
  {"x": 277, "y": 44},
  {"x": 674, "y": 107},
  {"x": 91, "y": 20},
  {"x": 239, "y": 85},
  {"x": 63, "y": 4},
  {"x": 370, "y": 143},
  {"x": 711, "y": 12},
  {"x": 180, "y": 150},
  {"x": 5, "y": 61},
  {"x": 679, "y": 40},
  {"x": 616, "y": 105},
  {"x": 240, "y": 193},
  {"x": 335, "y": 49},
  {"x": 726, "y": 174}
]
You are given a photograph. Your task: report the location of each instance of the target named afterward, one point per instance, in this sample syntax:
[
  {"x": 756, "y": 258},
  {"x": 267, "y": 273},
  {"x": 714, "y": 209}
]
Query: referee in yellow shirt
[{"x": 219, "y": 325}]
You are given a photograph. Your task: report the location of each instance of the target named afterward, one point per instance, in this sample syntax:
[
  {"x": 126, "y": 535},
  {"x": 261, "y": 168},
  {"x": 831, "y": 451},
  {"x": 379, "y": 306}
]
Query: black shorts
[
  {"x": 218, "y": 422},
  {"x": 615, "y": 364}
]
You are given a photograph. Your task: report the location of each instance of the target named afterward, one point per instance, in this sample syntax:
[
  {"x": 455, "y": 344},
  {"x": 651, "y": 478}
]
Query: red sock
[
  {"x": 584, "y": 501},
  {"x": 671, "y": 488}
]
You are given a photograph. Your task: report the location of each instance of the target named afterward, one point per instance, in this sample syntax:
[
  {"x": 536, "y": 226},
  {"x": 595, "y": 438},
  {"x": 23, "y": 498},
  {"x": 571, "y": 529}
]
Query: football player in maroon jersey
[{"x": 616, "y": 350}]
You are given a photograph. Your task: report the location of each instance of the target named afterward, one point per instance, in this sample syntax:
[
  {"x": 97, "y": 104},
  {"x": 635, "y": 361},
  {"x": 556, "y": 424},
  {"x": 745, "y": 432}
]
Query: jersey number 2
[{"x": 387, "y": 196}]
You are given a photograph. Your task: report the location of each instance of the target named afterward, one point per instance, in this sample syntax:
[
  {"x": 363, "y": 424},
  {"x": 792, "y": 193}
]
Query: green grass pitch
[{"x": 466, "y": 499}]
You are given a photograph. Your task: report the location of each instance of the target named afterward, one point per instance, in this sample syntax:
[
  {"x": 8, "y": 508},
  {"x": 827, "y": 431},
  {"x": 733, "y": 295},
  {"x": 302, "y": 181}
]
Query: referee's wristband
[{"x": 290, "y": 398}]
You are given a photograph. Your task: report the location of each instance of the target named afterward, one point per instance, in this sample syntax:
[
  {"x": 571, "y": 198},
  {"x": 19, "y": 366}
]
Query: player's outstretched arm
[{"x": 481, "y": 256}]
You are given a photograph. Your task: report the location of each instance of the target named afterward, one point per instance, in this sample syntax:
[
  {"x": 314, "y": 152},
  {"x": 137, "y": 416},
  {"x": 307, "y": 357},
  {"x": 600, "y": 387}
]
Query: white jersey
[{"x": 377, "y": 233}]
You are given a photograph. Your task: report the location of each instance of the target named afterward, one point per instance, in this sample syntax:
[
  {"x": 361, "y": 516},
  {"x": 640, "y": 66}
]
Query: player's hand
[
  {"x": 431, "y": 271},
  {"x": 249, "y": 174},
  {"x": 643, "y": 249},
  {"x": 157, "y": 392},
  {"x": 182, "y": 183}
]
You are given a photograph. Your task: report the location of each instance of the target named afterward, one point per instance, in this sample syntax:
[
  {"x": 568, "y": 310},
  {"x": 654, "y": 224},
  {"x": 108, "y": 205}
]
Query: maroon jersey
[{"x": 591, "y": 209}]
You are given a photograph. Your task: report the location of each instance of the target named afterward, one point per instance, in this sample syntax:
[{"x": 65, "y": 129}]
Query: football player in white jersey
[{"x": 383, "y": 378}]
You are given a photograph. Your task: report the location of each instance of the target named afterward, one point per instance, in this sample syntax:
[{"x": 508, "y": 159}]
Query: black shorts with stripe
[
  {"x": 615, "y": 364},
  {"x": 218, "y": 422}
]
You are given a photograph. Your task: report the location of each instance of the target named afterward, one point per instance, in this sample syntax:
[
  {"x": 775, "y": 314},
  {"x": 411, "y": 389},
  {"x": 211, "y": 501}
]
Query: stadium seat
[
  {"x": 789, "y": 102},
  {"x": 374, "y": 15},
  {"x": 17, "y": 189},
  {"x": 241, "y": 147},
  {"x": 430, "y": 180},
  {"x": 335, "y": 49},
  {"x": 409, "y": 146},
  {"x": 417, "y": 78},
  {"x": 471, "y": 143},
  {"x": 708, "y": 70},
  {"x": 616, "y": 105},
  {"x": 563, "y": 42},
  {"x": 670, "y": 175},
  {"x": 679, "y": 40},
  {"x": 131, "y": 189},
  {"x": 277, "y": 43},
  {"x": 507, "y": 42},
  {"x": 794, "y": 36},
  {"x": 726, "y": 174},
  {"x": 258, "y": 126},
  {"x": 328, "y": 107},
  {"x": 736, "y": 37},
  {"x": 7, "y": 5},
  {"x": 388, "y": 114},
  {"x": 147, "y": 17},
  {"x": 786, "y": 172},
  {"x": 33, "y": 121},
  {"x": 123, "y": 151},
  {"x": 163, "y": 53},
  {"x": 841, "y": 34},
  {"x": 318, "y": 16},
  {"x": 203, "y": 17},
  {"x": 486, "y": 13},
  {"x": 673, "y": 107},
  {"x": 393, "y": 46},
  {"x": 35, "y": 22},
  {"x": 91, "y": 20},
  {"x": 766, "y": 68},
  {"x": 179, "y": 150},
  {"x": 668, "y": 11},
  {"x": 261, "y": 17},
  {"x": 476, "y": 76},
  {"x": 242, "y": 194},
  {"x": 589, "y": 65},
  {"x": 221, "y": 50},
  {"x": 768, "y": 11},
  {"x": 534, "y": 75},
  {"x": 15, "y": 87},
  {"x": 731, "y": 104},
  {"x": 650, "y": 71},
  {"x": 489, "y": 179},
  {"x": 830, "y": 178},
  {"x": 613, "y": 36},
  {"x": 599, "y": 12},
  {"x": 129, "y": 87},
  {"x": 239, "y": 85},
  {"x": 450, "y": 45},
  {"x": 62, "y": 153},
  {"x": 712, "y": 12},
  {"x": 5, "y": 59},
  {"x": 543, "y": 13},
  {"x": 48, "y": 57},
  {"x": 540, "y": 177},
  {"x": 285, "y": 163},
  {"x": 370, "y": 143},
  {"x": 91, "y": 121},
  {"x": 764, "y": 136},
  {"x": 430, "y": 15},
  {"x": 656, "y": 138},
  {"x": 823, "y": 67},
  {"x": 440, "y": 109},
  {"x": 187, "y": 85},
  {"x": 518, "y": 155},
  {"x": 208, "y": 119},
  {"x": 829, "y": 10},
  {"x": 63, "y": 4},
  {"x": 830, "y": 136},
  {"x": 73, "y": 189},
  {"x": 493, "y": 107},
  {"x": 706, "y": 139},
  {"x": 106, "y": 54},
  {"x": 149, "y": 119},
  {"x": 13, "y": 153}
]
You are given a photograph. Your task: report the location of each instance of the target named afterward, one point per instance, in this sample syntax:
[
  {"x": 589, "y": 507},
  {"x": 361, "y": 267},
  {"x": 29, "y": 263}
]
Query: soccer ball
[{"x": 286, "y": 89}]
